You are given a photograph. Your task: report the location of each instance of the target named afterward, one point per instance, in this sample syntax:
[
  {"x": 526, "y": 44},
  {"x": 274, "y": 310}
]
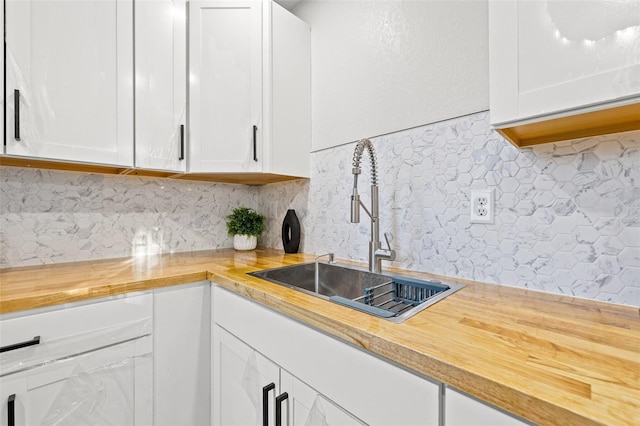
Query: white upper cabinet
[
  {"x": 552, "y": 59},
  {"x": 161, "y": 84},
  {"x": 225, "y": 48},
  {"x": 288, "y": 110},
  {"x": 249, "y": 88},
  {"x": 69, "y": 80}
]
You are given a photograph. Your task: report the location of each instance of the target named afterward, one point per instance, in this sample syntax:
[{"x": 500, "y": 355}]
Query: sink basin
[{"x": 393, "y": 297}]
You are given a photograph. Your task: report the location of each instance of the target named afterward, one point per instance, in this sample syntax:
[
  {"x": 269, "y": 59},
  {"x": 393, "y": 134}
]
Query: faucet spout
[
  {"x": 355, "y": 206},
  {"x": 376, "y": 253}
]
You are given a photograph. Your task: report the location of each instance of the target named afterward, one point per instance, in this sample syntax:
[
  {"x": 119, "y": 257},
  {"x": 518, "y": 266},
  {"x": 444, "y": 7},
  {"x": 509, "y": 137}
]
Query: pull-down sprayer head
[{"x": 355, "y": 206}]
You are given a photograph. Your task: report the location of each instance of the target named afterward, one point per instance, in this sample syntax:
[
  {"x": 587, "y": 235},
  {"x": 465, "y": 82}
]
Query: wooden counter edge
[
  {"x": 62, "y": 297},
  {"x": 514, "y": 401}
]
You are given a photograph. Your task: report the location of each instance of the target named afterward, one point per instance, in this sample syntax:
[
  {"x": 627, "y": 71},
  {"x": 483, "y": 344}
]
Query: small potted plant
[{"x": 245, "y": 225}]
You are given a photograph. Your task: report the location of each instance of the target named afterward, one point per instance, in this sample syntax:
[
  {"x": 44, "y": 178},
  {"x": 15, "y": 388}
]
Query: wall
[
  {"x": 567, "y": 214},
  {"x": 50, "y": 216},
  {"x": 380, "y": 66}
]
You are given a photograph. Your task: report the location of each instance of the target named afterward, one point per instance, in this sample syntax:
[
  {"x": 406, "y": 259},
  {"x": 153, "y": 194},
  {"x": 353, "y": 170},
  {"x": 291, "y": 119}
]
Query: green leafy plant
[{"x": 245, "y": 221}]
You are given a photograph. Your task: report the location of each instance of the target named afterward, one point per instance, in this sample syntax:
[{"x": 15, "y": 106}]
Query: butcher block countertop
[{"x": 548, "y": 358}]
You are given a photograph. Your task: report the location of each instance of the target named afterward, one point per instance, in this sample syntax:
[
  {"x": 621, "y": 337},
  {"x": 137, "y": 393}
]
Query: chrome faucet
[{"x": 376, "y": 253}]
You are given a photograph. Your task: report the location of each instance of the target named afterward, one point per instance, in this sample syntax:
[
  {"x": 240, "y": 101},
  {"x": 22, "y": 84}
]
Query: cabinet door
[
  {"x": 225, "y": 76},
  {"x": 161, "y": 84},
  {"x": 182, "y": 362},
  {"x": 461, "y": 410},
  {"x": 69, "y": 80},
  {"x": 240, "y": 377},
  {"x": 16, "y": 385},
  {"x": 96, "y": 388},
  {"x": 553, "y": 56},
  {"x": 307, "y": 407},
  {"x": 288, "y": 145}
]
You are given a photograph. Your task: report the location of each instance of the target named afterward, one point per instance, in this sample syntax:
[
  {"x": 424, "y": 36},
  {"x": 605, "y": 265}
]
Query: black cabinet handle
[
  {"x": 32, "y": 342},
  {"x": 265, "y": 403},
  {"x": 11, "y": 411},
  {"x": 279, "y": 400},
  {"x": 16, "y": 114},
  {"x": 255, "y": 146},
  {"x": 181, "y": 143}
]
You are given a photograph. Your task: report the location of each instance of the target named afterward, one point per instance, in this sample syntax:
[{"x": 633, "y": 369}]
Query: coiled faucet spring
[{"x": 357, "y": 158}]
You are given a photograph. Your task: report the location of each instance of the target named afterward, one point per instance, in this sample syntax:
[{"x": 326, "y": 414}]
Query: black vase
[{"x": 291, "y": 232}]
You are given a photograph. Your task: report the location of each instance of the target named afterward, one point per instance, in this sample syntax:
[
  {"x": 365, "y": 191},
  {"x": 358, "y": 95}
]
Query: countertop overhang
[{"x": 549, "y": 358}]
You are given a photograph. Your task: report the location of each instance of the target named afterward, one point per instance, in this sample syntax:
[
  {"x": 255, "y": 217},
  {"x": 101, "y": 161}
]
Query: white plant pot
[{"x": 245, "y": 242}]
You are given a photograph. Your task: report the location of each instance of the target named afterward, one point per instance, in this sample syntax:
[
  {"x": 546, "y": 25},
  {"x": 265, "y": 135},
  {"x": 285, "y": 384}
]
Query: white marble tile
[
  {"x": 566, "y": 213},
  {"x": 51, "y": 216}
]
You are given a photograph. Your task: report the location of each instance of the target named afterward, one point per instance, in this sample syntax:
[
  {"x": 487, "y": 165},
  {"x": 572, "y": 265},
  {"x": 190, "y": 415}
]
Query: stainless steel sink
[{"x": 393, "y": 297}]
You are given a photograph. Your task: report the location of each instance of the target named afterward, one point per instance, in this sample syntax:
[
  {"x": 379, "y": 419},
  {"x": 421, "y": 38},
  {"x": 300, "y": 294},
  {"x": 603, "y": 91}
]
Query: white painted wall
[{"x": 380, "y": 66}]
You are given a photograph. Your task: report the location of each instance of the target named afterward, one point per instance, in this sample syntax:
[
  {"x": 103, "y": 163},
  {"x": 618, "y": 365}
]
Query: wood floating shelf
[
  {"x": 595, "y": 123},
  {"x": 237, "y": 178}
]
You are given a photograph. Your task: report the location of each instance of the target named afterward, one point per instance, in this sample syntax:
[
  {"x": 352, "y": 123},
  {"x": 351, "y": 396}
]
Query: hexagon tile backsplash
[
  {"x": 567, "y": 215},
  {"x": 50, "y": 216}
]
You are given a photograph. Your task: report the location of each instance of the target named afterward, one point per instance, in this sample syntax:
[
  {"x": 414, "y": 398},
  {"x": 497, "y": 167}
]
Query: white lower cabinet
[
  {"x": 327, "y": 381},
  {"x": 88, "y": 364},
  {"x": 182, "y": 332},
  {"x": 197, "y": 354},
  {"x": 13, "y": 397},
  {"x": 462, "y": 410},
  {"x": 252, "y": 389},
  {"x": 305, "y": 406},
  {"x": 240, "y": 374},
  {"x": 94, "y": 388},
  {"x": 98, "y": 387}
]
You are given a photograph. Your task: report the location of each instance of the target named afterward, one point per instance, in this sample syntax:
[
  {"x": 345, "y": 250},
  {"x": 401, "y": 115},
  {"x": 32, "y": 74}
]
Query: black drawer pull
[
  {"x": 34, "y": 341},
  {"x": 16, "y": 114},
  {"x": 265, "y": 403},
  {"x": 181, "y": 143},
  {"x": 11, "y": 410},
  {"x": 255, "y": 143},
  {"x": 279, "y": 400}
]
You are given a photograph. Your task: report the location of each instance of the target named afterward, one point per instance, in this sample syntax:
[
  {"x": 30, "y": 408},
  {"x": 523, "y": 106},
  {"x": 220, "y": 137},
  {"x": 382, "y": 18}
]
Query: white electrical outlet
[{"x": 482, "y": 205}]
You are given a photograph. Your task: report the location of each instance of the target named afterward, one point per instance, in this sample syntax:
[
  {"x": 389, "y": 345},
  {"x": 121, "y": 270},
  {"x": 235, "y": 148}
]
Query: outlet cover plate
[{"x": 482, "y": 206}]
